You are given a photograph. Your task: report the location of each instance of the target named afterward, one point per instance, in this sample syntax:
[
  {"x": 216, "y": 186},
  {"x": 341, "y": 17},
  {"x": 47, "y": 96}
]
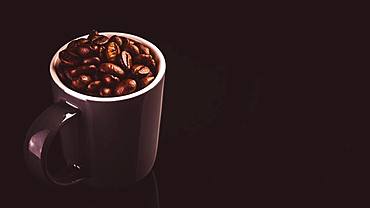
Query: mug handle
[{"x": 39, "y": 138}]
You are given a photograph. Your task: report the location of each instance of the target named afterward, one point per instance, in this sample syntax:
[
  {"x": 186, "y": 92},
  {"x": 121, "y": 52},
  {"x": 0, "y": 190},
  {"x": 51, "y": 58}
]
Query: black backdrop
[{"x": 237, "y": 128}]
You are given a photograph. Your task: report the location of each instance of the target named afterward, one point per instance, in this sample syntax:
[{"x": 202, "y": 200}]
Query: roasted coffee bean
[
  {"x": 146, "y": 81},
  {"x": 110, "y": 79},
  {"x": 86, "y": 79},
  {"x": 112, "y": 51},
  {"x": 68, "y": 58},
  {"x": 143, "y": 59},
  {"x": 83, "y": 50},
  {"x": 125, "y": 87},
  {"x": 72, "y": 45},
  {"x": 82, "y": 41},
  {"x": 102, "y": 52},
  {"x": 105, "y": 92},
  {"x": 61, "y": 74},
  {"x": 117, "y": 40},
  {"x": 125, "y": 60},
  {"x": 125, "y": 42},
  {"x": 144, "y": 49},
  {"x": 111, "y": 69},
  {"x": 140, "y": 70},
  {"x": 132, "y": 49},
  {"x": 94, "y": 86},
  {"x": 71, "y": 73},
  {"x": 78, "y": 84},
  {"x": 94, "y": 48},
  {"x": 93, "y": 35},
  {"x": 91, "y": 60},
  {"x": 101, "y": 40},
  {"x": 87, "y": 69}
]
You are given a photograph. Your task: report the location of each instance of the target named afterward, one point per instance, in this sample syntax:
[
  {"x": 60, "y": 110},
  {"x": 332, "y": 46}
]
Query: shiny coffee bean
[
  {"x": 94, "y": 48},
  {"x": 93, "y": 35},
  {"x": 94, "y": 86},
  {"x": 71, "y": 73},
  {"x": 78, "y": 84},
  {"x": 125, "y": 42},
  {"x": 91, "y": 60},
  {"x": 101, "y": 40},
  {"x": 117, "y": 40},
  {"x": 105, "y": 92},
  {"x": 112, "y": 51},
  {"x": 82, "y": 41},
  {"x": 61, "y": 74},
  {"x": 110, "y": 79},
  {"x": 145, "y": 59},
  {"x": 102, "y": 52},
  {"x": 146, "y": 81},
  {"x": 125, "y": 87},
  {"x": 72, "y": 45},
  {"x": 87, "y": 69},
  {"x": 68, "y": 58},
  {"x": 140, "y": 70},
  {"x": 144, "y": 49},
  {"x": 111, "y": 69},
  {"x": 132, "y": 49},
  {"x": 85, "y": 79},
  {"x": 125, "y": 60},
  {"x": 83, "y": 50}
]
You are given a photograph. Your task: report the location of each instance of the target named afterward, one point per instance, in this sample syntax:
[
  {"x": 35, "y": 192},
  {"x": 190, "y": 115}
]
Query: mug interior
[{"x": 157, "y": 55}]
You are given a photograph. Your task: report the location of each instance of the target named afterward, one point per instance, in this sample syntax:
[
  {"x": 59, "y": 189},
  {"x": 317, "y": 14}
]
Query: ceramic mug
[{"x": 106, "y": 141}]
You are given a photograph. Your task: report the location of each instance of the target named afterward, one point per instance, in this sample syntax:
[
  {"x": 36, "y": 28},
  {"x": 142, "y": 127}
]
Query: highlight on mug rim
[{"x": 158, "y": 56}]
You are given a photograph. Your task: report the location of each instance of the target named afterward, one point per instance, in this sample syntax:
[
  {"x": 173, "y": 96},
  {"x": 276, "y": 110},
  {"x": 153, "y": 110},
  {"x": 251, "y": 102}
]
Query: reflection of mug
[{"x": 107, "y": 141}]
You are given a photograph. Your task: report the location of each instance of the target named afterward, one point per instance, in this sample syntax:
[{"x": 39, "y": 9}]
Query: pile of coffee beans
[{"x": 106, "y": 66}]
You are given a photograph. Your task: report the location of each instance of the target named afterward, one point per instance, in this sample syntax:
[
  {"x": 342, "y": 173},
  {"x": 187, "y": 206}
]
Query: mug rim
[{"x": 161, "y": 67}]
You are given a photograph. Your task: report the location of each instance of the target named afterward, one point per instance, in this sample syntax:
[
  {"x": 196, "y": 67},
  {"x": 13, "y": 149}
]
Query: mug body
[{"x": 117, "y": 136}]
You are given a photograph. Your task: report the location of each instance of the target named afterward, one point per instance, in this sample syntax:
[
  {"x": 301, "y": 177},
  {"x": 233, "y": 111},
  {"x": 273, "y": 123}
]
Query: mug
[{"x": 105, "y": 141}]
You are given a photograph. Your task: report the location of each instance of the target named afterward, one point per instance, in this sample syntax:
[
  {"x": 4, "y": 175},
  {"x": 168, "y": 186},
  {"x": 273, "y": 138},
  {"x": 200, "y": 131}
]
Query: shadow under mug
[{"x": 106, "y": 141}]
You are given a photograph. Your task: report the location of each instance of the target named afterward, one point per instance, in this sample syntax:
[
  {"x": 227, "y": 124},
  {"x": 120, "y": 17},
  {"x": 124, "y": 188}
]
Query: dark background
[{"x": 258, "y": 108}]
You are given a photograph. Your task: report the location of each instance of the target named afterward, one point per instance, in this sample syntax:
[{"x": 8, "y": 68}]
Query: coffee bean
[
  {"x": 125, "y": 87},
  {"x": 140, "y": 70},
  {"x": 93, "y": 35},
  {"x": 78, "y": 84},
  {"x": 91, "y": 60},
  {"x": 125, "y": 42},
  {"x": 68, "y": 58},
  {"x": 72, "y": 45},
  {"x": 87, "y": 69},
  {"x": 102, "y": 52},
  {"x": 83, "y": 50},
  {"x": 94, "y": 48},
  {"x": 110, "y": 79},
  {"x": 117, "y": 40},
  {"x": 71, "y": 73},
  {"x": 112, "y": 51},
  {"x": 146, "y": 81},
  {"x": 94, "y": 86},
  {"x": 101, "y": 40},
  {"x": 144, "y": 49},
  {"x": 133, "y": 49},
  {"x": 143, "y": 59},
  {"x": 111, "y": 69},
  {"x": 82, "y": 41},
  {"x": 125, "y": 60},
  {"x": 105, "y": 92},
  {"x": 85, "y": 79},
  {"x": 61, "y": 74}
]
